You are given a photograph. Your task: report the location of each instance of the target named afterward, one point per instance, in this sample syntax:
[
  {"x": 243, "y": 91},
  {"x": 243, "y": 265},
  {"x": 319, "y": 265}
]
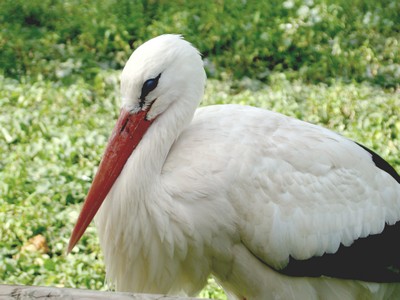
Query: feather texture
[{"x": 237, "y": 192}]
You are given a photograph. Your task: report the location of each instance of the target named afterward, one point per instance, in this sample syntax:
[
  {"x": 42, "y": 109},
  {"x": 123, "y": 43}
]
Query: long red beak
[{"x": 126, "y": 135}]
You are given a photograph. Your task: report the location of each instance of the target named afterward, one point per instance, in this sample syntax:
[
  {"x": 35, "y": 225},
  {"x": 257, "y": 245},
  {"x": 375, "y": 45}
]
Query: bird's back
[{"x": 291, "y": 190}]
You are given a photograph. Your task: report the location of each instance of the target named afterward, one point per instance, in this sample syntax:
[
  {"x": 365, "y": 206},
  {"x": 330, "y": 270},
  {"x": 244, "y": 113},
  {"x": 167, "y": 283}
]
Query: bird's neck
[
  {"x": 134, "y": 221},
  {"x": 146, "y": 162}
]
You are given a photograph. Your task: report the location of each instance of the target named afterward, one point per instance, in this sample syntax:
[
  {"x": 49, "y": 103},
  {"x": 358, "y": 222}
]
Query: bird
[{"x": 271, "y": 206}]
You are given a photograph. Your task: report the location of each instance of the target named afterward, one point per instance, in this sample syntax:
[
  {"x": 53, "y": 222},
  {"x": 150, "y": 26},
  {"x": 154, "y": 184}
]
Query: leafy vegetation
[
  {"x": 318, "y": 40},
  {"x": 54, "y": 135},
  {"x": 333, "y": 63}
]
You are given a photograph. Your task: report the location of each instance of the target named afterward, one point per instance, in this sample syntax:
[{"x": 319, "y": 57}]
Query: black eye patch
[{"x": 148, "y": 86}]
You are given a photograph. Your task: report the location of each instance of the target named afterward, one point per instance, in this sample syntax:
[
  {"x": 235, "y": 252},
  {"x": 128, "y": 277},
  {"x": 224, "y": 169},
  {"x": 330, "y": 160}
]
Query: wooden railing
[{"x": 22, "y": 292}]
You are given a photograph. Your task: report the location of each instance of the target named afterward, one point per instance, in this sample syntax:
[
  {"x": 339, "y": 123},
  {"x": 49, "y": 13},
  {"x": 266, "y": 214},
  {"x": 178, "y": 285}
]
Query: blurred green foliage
[
  {"x": 333, "y": 63},
  {"x": 318, "y": 40}
]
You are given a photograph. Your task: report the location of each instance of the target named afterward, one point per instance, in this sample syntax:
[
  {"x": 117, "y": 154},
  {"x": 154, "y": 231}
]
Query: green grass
[
  {"x": 330, "y": 62},
  {"x": 52, "y": 137}
]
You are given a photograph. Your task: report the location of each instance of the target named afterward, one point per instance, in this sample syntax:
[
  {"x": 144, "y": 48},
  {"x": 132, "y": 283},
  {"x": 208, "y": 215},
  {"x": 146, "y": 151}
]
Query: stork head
[
  {"x": 162, "y": 73},
  {"x": 163, "y": 70}
]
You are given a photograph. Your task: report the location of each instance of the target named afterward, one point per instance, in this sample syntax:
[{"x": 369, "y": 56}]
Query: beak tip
[{"x": 70, "y": 247}]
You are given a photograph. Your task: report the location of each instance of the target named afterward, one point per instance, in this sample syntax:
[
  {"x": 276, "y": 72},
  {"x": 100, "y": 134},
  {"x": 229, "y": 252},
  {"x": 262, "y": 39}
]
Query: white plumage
[{"x": 234, "y": 191}]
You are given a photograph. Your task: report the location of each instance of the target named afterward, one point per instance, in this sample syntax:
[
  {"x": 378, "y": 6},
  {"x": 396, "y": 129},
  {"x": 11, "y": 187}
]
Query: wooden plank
[{"x": 23, "y": 292}]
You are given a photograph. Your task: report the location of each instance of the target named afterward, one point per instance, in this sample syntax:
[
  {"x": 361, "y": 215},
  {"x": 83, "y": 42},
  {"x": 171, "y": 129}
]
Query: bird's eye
[{"x": 148, "y": 86}]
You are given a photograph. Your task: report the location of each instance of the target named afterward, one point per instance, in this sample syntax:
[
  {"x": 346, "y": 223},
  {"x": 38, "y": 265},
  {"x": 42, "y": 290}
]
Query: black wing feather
[{"x": 375, "y": 258}]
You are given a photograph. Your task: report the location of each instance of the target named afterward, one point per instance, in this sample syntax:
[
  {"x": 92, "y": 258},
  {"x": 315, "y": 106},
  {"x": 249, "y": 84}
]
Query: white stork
[{"x": 272, "y": 207}]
